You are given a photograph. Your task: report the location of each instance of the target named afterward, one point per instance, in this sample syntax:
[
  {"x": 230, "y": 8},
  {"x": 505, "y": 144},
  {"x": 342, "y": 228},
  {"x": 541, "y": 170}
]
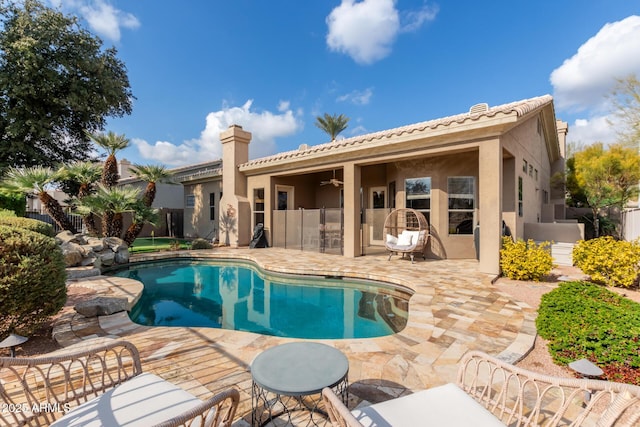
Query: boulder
[
  {"x": 89, "y": 260},
  {"x": 72, "y": 253},
  {"x": 114, "y": 243},
  {"x": 122, "y": 256},
  {"x": 96, "y": 244},
  {"x": 107, "y": 258},
  {"x": 101, "y": 306},
  {"x": 65, "y": 236}
]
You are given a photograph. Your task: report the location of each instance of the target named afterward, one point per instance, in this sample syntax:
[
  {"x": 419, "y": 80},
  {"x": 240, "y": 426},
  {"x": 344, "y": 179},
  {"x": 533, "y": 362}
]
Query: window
[
  {"x": 520, "y": 209},
  {"x": 535, "y": 171},
  {"x": 525, "y": 166},
  {"x": 392, "y": 194},
  {"x": 531, "y": 170},
  {"x": 212, "y": 206},
  {"x": 418, "y": 193},
  {"x": 461, "y": 190},
  {"x": 258, "y": 206},
  {"x": 190, "y": 201}
]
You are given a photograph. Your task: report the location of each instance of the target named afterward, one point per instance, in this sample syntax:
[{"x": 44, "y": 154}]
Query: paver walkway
[{"x": 454, "y": 309}]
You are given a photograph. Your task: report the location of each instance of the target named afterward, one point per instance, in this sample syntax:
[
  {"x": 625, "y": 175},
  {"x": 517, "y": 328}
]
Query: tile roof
[{"x": 520, "y": 108}]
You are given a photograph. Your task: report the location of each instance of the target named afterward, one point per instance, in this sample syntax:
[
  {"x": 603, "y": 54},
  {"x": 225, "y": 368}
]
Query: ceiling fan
[{"x": 333, "y": 181}]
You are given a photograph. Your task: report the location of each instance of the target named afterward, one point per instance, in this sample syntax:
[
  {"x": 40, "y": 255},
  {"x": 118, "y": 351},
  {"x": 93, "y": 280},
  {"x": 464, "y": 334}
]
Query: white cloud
[
  {"x": 102, "y": 17},
  {"x": 283, "y": 106},
  {"x": 583, "y": 81},
  {"x": 264, "y": 126},
  {"x": 357, "y": 97},
  {"x": 412, "y": 20},
  {"x": 366, "y": 30},
  {"x": 595, "y": 129}
]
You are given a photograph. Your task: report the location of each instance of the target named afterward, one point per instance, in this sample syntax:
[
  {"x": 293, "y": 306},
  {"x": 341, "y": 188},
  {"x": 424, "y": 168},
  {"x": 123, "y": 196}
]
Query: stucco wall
[{"x": 197, "y": 220}]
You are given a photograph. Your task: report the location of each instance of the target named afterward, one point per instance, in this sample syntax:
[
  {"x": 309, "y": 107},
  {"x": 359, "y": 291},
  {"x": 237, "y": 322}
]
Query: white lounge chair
[
  {"x": 101, "y": 386},
  {"x": 490, "y": 392}
]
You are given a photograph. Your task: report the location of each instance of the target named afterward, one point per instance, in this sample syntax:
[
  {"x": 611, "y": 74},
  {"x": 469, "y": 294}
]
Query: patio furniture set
[{"x": 105, "y": 385}]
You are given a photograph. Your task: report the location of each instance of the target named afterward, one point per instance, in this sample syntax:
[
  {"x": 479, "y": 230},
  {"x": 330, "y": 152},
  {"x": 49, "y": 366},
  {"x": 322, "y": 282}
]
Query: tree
[
  {"x": 332, "y": 124},
  {"x": 78, "y": 179},
  {"x": 142, "y": 214},
  {"x": 626, "y": 103},
  {"x": 113, "y": 143},
  {"x": 110, "y": 204},
  {"x": 56, "y": 82},
  {"x": 35, "y": 180},
  {"x": 152, "y": 175},
  {"x": 608, "y": 177}
]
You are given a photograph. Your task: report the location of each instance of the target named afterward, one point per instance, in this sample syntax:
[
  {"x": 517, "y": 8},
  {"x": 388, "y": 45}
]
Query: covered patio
[{"x": 455, "y": 309}]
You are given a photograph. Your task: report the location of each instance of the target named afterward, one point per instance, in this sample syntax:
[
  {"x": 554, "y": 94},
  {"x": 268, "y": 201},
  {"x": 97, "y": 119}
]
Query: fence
[
  {"x": 311, "y": 230},
  {"x": 76, "y": 220}
]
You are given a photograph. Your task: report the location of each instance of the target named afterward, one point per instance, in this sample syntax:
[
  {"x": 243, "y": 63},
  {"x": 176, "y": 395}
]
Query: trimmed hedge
[
  {"x": 585, "y": 320},
  {"x": 32, "y": 280},
  {"x": 28, "y": 224},
  {"x": 200, "y": 243},
  {"x": 525, "y": 260}
]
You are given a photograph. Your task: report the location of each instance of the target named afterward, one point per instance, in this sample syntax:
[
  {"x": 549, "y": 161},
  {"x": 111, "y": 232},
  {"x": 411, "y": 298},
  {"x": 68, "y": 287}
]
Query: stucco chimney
[{"x": 235, "y": 209}]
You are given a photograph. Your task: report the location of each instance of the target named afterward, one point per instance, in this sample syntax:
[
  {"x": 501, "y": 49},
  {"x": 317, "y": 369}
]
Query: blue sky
[{"x": 198, "y": 66}]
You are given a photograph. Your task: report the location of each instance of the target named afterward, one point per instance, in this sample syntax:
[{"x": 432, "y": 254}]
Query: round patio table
[{"x": 294, "y": 372}]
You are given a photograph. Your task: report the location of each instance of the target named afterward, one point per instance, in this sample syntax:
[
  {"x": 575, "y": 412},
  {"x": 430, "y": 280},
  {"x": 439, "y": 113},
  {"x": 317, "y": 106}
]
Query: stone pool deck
[{"x": 454, "y": 309}]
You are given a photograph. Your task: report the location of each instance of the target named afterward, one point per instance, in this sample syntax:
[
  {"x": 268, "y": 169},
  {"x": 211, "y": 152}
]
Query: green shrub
[
  {"x": 28, "y": 224},
  {"x": 201, "y": 244},
  {"x": 525, "y": 260},
  {"x": 6, "y": 212},
  {"x": 15, "y": 203},
  {"x": 585, "y": 320},
  {"x": 608, "y": 261},
  {"x": 32, "y": 280}
]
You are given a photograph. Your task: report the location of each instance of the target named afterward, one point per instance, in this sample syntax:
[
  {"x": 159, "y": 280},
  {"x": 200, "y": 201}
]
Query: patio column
[
  {"x": 352, "y": 183},
  {"x": 490, "y": 205},
  {"x": 235, "y": 209}
]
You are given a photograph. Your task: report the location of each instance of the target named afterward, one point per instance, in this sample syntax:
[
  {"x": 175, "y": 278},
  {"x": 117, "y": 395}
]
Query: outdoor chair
[
  {"x": 490, "y": 392},
  {"x": 105, "y": 386},
  {"x": 406, "y": 232}
]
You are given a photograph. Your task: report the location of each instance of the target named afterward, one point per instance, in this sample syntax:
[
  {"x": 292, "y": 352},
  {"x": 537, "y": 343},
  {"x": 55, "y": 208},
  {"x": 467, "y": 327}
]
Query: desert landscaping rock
[{"x": 101, "y": 306}]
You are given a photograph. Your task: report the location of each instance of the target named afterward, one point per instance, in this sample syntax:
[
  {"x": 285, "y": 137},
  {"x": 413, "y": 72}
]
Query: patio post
[
  {"x": 490, "y": 203},
  {"x": 352, "y": 183}
]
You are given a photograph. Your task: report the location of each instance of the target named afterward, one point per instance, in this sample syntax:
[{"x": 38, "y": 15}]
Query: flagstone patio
[{"x": 454, "y": 309}]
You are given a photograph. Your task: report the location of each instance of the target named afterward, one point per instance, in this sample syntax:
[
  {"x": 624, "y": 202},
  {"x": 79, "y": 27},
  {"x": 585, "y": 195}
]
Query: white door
[{"x": 378, "y": 213}]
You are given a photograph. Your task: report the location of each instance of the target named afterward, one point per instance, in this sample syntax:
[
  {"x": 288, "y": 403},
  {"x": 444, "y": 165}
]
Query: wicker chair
[
  {"x": 406, "y": 232},
  {"x": 105, "y": 383},
  {"x": 511, "y": 395}
]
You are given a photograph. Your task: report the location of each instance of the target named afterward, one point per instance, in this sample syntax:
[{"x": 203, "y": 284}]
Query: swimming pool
[{"x": 239, "y": 296}]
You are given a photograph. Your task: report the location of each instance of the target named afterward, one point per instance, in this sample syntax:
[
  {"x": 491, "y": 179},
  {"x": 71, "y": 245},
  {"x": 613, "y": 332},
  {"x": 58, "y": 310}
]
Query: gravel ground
[{"x": 539, "y": 359}]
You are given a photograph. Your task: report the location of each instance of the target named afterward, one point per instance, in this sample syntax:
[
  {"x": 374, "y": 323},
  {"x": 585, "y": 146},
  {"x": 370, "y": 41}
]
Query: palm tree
[
  {"x": 85, "y": 175},
  {"x": 35, "y": 179},
  {"x": 113, "y": 143},
  {"x": 332, "y": 124},
  {"x": 151, "y": 174},
  {"x": 110, "y": 204},
  {"x": 143, "y": 214}
]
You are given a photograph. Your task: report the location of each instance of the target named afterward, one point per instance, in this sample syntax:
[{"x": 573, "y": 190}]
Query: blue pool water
[{"x": 238, "y": 296}]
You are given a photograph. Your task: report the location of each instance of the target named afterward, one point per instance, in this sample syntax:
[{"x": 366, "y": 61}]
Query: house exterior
[
  {"x": 189, "y": 207},
  {"x": 467, "y": 173}
]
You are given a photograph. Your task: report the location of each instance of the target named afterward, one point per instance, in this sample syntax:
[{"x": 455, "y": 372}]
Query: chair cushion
[
  {"x": 392, "y": 239},
  {"x": 404, "y": 239},
  {"x": 144, "y": 400},
  {"x": 447, "y": 405}
]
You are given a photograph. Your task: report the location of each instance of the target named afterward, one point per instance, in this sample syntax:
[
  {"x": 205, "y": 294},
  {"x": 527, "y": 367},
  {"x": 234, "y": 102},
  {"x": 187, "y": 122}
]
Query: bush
[
  {"x": 584, "y": 320},
  {"x": 32, "y": 280},
  {"x": 525, "y": 260},
  {"x": 28, "y": 224},
  {"x": 6, "y": 212},
  {"x": 15, "y": 203},
  {"x": 608, "y": 261},
  {"x": 201, "y": 244}
]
